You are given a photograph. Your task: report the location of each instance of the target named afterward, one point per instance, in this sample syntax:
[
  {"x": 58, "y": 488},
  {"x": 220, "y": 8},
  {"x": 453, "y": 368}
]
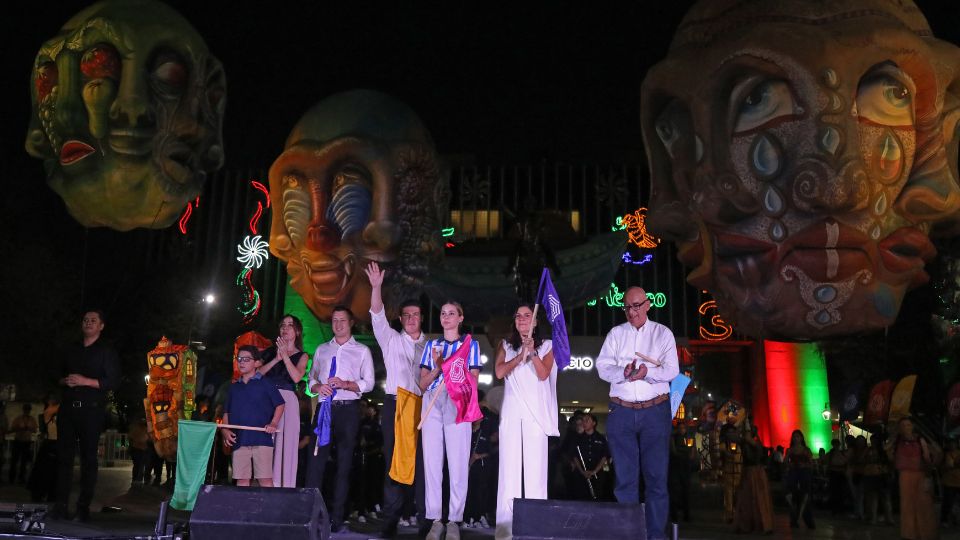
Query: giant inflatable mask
[
  {"x": 127, "y": 112},
  {"x": 801, "y": 153},
  {"x": 358, "y": 181}
]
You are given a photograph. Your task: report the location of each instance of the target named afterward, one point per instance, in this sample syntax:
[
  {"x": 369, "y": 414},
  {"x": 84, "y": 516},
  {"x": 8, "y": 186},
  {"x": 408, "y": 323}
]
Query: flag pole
[
  {"x": 436, "y": 394},
  {"x": 234, "y": 426}
]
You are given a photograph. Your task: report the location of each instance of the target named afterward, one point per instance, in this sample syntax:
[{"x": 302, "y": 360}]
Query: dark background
[{"x": 522, "y": 83}]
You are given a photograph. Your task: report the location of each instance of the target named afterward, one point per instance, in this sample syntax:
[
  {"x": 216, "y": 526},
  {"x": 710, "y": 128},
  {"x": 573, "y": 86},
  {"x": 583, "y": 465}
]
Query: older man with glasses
[{"x": 639, "y": 359}]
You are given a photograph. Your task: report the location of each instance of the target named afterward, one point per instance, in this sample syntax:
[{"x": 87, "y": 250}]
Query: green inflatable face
[{"x": 127, "y": 114}]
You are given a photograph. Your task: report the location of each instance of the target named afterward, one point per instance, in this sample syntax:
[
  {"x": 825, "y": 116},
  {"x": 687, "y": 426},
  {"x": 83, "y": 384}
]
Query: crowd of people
[{"x": 471, "y": 462}]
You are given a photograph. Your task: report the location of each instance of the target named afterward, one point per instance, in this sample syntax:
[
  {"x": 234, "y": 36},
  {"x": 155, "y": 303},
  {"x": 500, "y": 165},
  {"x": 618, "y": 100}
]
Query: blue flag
[
  {"x": 548, "y": 298},
  {"x": 323, "y": 415},
  {"x": 678, "y": 386}
]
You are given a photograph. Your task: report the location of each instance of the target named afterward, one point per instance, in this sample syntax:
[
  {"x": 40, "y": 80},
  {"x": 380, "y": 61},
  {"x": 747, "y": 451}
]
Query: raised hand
[{"x": 374, "y": 274}]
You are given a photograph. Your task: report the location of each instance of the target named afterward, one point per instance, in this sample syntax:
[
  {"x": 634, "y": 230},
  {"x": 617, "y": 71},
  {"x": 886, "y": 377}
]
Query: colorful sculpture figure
[
  {"x": 358, "y": 181},
  {"x": 801, "y": 153},
  {"x": 170, "y": 393},
  {"x": 127, "y": 112}
]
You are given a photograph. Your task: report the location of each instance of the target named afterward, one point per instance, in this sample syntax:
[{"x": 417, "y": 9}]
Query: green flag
[{"x": 194, "y": 441}]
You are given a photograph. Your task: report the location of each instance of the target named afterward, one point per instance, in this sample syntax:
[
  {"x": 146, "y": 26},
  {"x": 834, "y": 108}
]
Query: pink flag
[{"x": 460, "y": 384}]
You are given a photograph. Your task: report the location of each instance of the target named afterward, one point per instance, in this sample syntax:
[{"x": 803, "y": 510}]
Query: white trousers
[
  {"x": 523, "y": 465},
  {"x": 440, "y": 437},
  {"x": 286, "y": 443}
]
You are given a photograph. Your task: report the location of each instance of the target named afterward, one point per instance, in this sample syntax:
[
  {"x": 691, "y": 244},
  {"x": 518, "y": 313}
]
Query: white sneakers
[
  {"x": 437, "y": 530},
  {"x": 453, "y": 531}
]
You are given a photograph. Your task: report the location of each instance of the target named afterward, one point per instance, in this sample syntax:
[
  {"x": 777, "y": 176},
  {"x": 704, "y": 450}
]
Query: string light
[
  {"x": 250, "y": 299},
  {"x": 725, "y": 330},
  {"x": 636, "y": 227},
  {"x": 627, "y": 258},
  {"x": 253, "y": 251}
]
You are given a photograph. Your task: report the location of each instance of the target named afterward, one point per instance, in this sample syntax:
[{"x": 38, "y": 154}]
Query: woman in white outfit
[
  {"x": 527, "y": 417},
  {"x": 284, "y": 366},
  {"x": 441, "y": 434}
]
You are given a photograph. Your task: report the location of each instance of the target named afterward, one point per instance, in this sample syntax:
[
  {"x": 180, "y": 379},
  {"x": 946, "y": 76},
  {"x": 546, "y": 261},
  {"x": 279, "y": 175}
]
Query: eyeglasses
[
  {"x": 244, "y": 359},
  {"x": 635, "y": 307},
  {"x": 410, "y": 316}
]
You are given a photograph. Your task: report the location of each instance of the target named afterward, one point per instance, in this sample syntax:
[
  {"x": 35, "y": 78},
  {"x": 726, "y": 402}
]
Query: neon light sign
[
  {"x": 627, "y": 258},
  {"x": 253, "y": 251},
  {"x": 636, "y": 227},
  {"x": 725, "y": 330}
]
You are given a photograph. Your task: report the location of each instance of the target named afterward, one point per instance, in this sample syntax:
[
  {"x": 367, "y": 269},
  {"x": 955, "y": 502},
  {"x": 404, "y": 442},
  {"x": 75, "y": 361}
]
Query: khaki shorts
[{"x": 257, "y": 460}]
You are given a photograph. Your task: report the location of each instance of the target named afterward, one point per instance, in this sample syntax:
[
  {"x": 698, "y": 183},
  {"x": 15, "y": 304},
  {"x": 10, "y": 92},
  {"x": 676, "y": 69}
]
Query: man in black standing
[{"x": 90, "y": 370}]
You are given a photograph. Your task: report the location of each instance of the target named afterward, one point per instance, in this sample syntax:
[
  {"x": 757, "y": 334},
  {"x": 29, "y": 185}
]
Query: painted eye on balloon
[
  {"x": 351, "y": 200},
  {"x": 757, "y": 102},
  {"x": 169, "y": 74},
  {"x": 47, "y": 77},
  {"x": 100, "y": 62},
  {"x": 671, "y": 126},
  {"x": 885, "y": 97}
]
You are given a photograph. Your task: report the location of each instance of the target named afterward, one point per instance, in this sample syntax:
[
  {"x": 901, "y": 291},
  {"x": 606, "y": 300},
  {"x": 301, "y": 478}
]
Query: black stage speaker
[
  {"x": 259, "y": 513},
  {"x": 535, "y": 519}
]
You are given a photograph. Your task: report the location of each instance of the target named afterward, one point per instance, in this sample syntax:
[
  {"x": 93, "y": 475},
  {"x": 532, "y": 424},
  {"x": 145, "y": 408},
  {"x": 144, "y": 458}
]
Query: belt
[
  {"x": 342, "y": 402},
  {"x": 641, "y": 404},
  {"x": 77, "y": 404}
]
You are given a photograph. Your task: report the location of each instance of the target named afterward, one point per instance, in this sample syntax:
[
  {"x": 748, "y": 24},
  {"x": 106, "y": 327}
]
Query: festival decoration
[
  {"x": 187, "y": 212},
  {"x": 878, "y": 405},
  {"x": 357, "y": 181},
  {"x": 635, "y": 225},
  {"x": 800, "y": 153},
  {"x": 252, "y": 252},
  {"x": 614, "y": 298},
  {"x": 722, "y": 329},
  {"x": 171, "y": 389},
  {"x": 127, "y": 112},
  {"x": 248, "y": 338},
  {"x": 627, "y": 258}
]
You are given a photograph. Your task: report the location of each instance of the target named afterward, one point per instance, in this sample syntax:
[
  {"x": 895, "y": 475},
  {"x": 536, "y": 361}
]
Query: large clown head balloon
[
  {"x": 801, "y": 153},
  {"x": 357, "y": 182},
  {"x": 127, "y": 112}
]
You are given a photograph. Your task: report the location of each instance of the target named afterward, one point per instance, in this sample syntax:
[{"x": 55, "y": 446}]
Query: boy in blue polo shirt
[{"x": 252, "y": 401}]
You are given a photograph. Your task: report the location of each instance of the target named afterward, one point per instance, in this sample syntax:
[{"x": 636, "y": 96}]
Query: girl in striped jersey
[{"x": 441, "y": 434}]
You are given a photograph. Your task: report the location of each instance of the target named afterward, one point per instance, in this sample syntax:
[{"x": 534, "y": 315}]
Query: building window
[
  {"x": 476, "y": 223},
  {"x": 681, "y": 412}
]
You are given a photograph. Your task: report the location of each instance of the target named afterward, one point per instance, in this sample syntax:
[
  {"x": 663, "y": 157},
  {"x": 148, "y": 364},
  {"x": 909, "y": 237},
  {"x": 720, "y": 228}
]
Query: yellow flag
[
  {"x": 902, "y": 396},
  {"x": 404, "y": 463}
]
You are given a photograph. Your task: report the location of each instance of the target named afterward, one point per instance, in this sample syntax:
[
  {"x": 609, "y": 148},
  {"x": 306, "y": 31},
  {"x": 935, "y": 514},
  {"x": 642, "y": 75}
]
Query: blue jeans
[{"x": 640, "y": 442}]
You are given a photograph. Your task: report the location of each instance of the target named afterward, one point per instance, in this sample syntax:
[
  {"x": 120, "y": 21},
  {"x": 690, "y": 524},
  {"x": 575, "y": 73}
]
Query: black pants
[
  {"x": 78, "y": 427},
  {"x": 344, "y": 427},
  {"x": 139, "y": 457},
  {"x": 19, "y": 458},
  {"x": 395, "y": 493}
]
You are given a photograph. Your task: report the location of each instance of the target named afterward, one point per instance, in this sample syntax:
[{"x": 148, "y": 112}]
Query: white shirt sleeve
[
  {"x": 608, "y": 366},
  {"x": 670, "y": 365},
  {"x": 366, "y": 380},
  {"x": 315, "y": 370},
  {"x": 382, "y": 329}
]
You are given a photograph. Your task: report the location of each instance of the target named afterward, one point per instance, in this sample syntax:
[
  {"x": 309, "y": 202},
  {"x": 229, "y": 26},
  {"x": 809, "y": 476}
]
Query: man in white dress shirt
[
  {"x": 352, "y": 377},
  {"x": 401, "y": 357},
  {"x": 639, "y": 359}
]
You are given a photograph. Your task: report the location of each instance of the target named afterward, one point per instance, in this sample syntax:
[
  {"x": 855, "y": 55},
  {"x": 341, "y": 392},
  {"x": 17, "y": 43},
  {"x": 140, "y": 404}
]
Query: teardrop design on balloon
[
  {"x": 825, "y": 294},
  {"x": 778, "y": 232},
  {"x": 875, "y": 232},
  {"x": 772, "y": 201},
  {"x": 822, "y": 317},
  {"x": 835, "y": 103},
  {"x": 880, "y": 207},
  {"x": 830, "y": 139},
  {"x": 766, "y": 158},
  {"x": 830, "y": 78},
  {"x": 698, "y": 149},
  {"x": 890, "y": 157}
]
